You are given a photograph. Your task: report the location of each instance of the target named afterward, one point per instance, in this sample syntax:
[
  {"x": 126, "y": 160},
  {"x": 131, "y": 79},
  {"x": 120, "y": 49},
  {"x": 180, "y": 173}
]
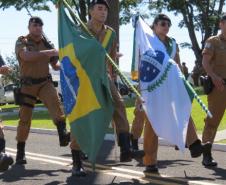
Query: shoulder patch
[{"x": 22, "y": 40}]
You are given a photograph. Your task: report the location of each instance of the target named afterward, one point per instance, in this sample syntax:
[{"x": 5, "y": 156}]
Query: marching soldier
[
  {"x": 34, "y": 54},
  {"x": 214, "y": 63},
  {"x": 98, "y": 11}
]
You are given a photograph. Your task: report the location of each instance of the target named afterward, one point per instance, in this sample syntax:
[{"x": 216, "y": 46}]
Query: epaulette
[{"x": 22, "y": 40}]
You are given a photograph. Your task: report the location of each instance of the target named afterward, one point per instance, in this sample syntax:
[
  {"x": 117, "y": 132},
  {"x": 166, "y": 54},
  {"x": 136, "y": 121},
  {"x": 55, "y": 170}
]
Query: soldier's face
[
  {"x": 35, "y": 29},
  {"x": 99, "y": 13}
]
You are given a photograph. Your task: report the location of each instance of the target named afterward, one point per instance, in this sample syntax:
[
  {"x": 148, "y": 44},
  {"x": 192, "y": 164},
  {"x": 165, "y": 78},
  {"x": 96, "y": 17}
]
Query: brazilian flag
[{"x": 87, "y": 98}]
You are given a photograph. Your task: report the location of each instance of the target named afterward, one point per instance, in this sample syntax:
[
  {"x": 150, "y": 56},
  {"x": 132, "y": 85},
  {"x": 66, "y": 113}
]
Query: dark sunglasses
[
  {"x": 165, "y": 23},
  {"x": 36, "y": 25}
]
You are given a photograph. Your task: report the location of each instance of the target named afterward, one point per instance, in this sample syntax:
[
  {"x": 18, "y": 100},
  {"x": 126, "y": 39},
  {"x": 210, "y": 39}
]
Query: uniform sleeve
[
  {"x": 20, "y": 46},
  {"x": 209, "y": 47},
  {"x": 53, "y": 60}
]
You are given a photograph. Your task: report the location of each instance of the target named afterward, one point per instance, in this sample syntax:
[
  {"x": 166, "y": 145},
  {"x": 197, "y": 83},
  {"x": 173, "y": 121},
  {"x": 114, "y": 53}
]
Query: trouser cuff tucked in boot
[
  {"x": 77, "y": 168},
  {"x": 64, "y": 136},
  {"x": 2, "y": 145},
  {"x": 208, "y": 160},
  {"x": 136, "y": 153},
  {"x": 20, "y": 156},
  {"x": 124, "y": 143},
  {"x": 196, "y": 149}
]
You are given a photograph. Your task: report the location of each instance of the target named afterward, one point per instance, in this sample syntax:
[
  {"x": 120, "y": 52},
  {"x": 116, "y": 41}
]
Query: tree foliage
[
  {"x": 30, "y": 4},
  {"x": 13, "y": 76},
  {"x": 199, "y": 17}
]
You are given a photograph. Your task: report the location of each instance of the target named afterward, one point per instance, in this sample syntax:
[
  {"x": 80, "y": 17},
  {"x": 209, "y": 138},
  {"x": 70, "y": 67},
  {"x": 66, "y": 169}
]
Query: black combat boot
[
  {"x": 64, "y": 136},
  {"x": 134, "y": 143},
  {"x": 208, "y": 160},
  {"x": 124, "y": 143},
  {"x": 5, "y": 161},
  {"x": 196, "y": 149},
  {"x": 136, "y": 153},
  {"x": 2, "y": 145},
  {"x": 151, "y": 169},
  {"x": 77, "y": 169},
  {"x": 84, "y": 156},
  {"x": 20, "y": 155}
]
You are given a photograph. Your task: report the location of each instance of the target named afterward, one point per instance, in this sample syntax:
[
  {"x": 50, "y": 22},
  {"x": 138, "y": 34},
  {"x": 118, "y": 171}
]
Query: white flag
[{"x": 167, "y": 101}]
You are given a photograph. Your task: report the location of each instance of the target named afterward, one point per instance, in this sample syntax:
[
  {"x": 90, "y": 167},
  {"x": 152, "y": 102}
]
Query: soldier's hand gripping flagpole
[{"x": 111, "y": 61}]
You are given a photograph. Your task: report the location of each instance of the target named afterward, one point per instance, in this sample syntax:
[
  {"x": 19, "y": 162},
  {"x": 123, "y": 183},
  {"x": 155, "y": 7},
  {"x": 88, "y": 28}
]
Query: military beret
[
  {"x": 104, "y": 2},
  {"x": 223, "y": 17},
  {"x": 35, "y": 19}
]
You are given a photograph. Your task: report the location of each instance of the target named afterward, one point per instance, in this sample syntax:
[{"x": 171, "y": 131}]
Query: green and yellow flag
[{"x": 85, "y": 87}]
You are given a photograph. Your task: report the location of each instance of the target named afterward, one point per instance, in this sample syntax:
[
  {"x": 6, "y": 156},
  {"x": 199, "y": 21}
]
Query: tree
[
  {"x": 199, "y": 17},
  {"x": 13, "y": 76},
  {"x": 113, "y": 18}
]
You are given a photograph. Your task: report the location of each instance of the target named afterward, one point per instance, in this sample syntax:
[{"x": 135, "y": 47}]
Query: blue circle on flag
[
  {"x": 151, "y": 65},
  {"x": 69, "y": 84}
]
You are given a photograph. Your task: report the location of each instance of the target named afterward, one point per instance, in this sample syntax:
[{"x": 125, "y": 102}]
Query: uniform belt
[{"x": 33, "y": 81}]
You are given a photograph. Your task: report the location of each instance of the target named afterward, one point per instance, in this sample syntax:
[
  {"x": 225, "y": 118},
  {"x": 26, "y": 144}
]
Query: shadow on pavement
[
  {"x": 54, "y": 183},
  {"x": 173, "y": 163},
  {"x": 19, "y": 172},
  {"x": 220, "y": 173}
]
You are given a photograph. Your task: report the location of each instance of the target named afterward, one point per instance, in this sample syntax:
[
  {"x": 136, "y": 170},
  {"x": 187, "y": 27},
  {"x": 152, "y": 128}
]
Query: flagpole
[
  {"x": 198, "y": 99},
  {"x": 111, "y": 61}
]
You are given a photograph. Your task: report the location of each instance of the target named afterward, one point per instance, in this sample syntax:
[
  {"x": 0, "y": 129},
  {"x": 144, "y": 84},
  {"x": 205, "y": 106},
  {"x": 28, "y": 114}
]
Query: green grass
[
  {"x": 222, "y": 141},
  {"x": 10, "y": 107},
  {"x": 41, "y": 119},
  {"x": 199, "y": 115}
]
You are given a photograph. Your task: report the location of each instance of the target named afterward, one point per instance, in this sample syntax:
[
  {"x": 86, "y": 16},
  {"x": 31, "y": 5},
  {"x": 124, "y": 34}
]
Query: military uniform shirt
[
  {"x": 215, "y": 46},
  {"x": 33, "y": 69},
  {"x": 113, "y": 46}
]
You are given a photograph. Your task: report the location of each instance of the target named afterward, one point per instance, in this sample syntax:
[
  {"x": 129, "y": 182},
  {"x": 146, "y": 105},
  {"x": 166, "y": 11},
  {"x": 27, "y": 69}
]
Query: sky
[{"x": 14, "y": 24}]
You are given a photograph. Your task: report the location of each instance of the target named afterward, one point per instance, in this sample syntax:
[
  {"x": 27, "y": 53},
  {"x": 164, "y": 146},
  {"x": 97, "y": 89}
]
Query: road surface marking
[{"x": 111, "y": 170}]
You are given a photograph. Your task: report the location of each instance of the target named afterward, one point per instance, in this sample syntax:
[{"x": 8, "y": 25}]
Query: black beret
[
  {"x": 104, "y": 2},
  {"x": 223, "y": 17},
  {"x": 161, "y": 17},
  {"x": 35, "y": 19}
]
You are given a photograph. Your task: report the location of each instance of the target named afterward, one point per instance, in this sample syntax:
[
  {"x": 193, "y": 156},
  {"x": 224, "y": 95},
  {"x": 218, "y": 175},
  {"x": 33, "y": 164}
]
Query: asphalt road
[{"x": 50, "y": 164}]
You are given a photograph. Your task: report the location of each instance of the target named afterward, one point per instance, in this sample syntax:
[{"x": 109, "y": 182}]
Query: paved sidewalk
[{"x": 221, "y": 135}]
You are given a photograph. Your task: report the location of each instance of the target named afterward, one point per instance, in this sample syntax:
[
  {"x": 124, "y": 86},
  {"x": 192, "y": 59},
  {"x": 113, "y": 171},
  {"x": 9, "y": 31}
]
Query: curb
[{"x": 111, "y": 137}]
